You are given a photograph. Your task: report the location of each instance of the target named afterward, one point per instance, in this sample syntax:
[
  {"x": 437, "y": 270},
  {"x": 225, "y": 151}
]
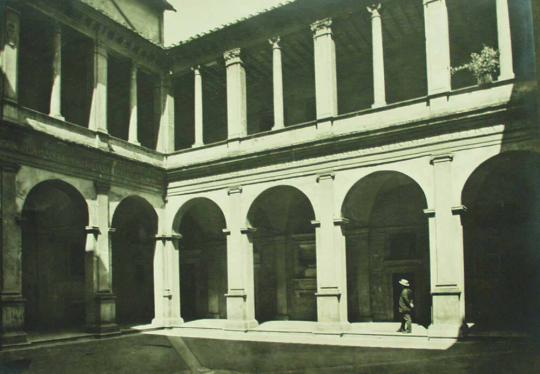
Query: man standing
[{"x": 406, "y": 306}]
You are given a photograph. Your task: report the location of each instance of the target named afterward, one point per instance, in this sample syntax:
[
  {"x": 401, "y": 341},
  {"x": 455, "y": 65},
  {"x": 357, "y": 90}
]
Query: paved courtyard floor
[{"x": 149, "y": 353}]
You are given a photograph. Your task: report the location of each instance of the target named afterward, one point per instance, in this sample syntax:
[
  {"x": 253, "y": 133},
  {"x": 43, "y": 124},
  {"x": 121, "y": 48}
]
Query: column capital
[
  {"x": 233, "y": 56},
  {"x": 9, "y": 166},
  {"x": 325, "y": 176},
  {"x": 234, "y": 190},
  {"x": 274, "y": 42},
  {"x": 374, "y": 9},
  {"x": 196, "y": 69},
  {"x": 102, "y": 187},
  {"x": 436, "y": 159},
  {"x": 168, "y": 237},
  {"x": 92, "y": 230},
  {"x": 100, "y": 48},
  {"x": 321, "y": 27},
  {"x": 427, "y": 2},
  {"x": 459, "y": 210}
]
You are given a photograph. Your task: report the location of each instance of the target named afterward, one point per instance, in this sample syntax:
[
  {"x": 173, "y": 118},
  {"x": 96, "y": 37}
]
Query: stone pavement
[{"x": 148, "y": 353}]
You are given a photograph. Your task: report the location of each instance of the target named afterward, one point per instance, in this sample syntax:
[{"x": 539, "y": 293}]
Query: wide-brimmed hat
[{"x": 404, "y": 282}]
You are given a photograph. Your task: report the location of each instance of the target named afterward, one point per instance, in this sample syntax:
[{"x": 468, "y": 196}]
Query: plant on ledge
[{"x": 482, "y": 65}]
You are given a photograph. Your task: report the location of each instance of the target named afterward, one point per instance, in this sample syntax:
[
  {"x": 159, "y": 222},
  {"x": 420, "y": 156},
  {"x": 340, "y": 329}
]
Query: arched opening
[
  {"x": 387, "y": 239},
  {"x": 284, "y": 255},
  {"x": 203, "y": 260},
  {"x": 132, "y": 246},
  {"x": 501, "y": 232},
  {"x": 53, "y": 257}
]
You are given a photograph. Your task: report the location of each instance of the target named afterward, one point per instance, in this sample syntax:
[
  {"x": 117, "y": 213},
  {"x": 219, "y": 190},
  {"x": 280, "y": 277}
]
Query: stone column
[
  {"x": 199, "y": 140},
  {"x": 277, "y": 76},
  {"x": 437, "y": 46},
  {"x": 379, "y": 88},
  {"x": 100, "y": 301},
  {"x": 167, "y": 281},
  {"x": 98, "y": 110},
  {"x": 331, "y": 261},
  {"x": 10, "y": 52},
  {"x": 133, "y": 133},
  {"x": 236, "y": 94},
  {"x": 325, "y": 69},
  {"x": 241, "y": 293},
  {"x": 55, "y": 108},
  {"x": 446, "y": 253},
  {"x": 282, "y": 289},
  {"x": 165, "y": 142},
  {"x": 505, "y": 41},
  {"x": 11, "y": 298}
]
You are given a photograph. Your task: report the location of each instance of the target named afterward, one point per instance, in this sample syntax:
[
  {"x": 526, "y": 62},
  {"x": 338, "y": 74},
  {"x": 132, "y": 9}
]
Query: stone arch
[
  {"x": 284, "y": 254},
  {"x": 500, "y": 236},
  {"x": 203, "y": 259},
  {"x": 135, "y": 224},
  {"x": 54, "y": 217},
  {"x": 387, "y": 239}
]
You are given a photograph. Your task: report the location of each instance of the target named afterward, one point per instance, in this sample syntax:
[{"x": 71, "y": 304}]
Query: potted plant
[{"x": 483, "y": 65}]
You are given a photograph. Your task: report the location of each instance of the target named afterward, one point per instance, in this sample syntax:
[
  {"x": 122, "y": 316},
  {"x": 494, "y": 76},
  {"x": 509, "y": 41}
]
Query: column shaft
[
  {"x": 446, "y": 253},
  {"x": 241, "y": 284},
  {"x": 325, "y": 69},
  {"x": 10, "y": 52},
  {"x": 379, "y": 89},
  {"x": 505, "y": 41},
  {"x": 277, "y": 78},
  {"x": 98, "y": 111},
  {"x": 437, "y": 46},
  {"x": 331, "y": 262},
  {"x": 55, "y": 109},
  {"x": 236, "y": 95},
  {"x": 133, "y": 134},
  {"x": 11, "y": 299},
  {"x": 100, "y": 303},
  {"x": 165, "y": 142},
  {"x": 198, "y": 107}
]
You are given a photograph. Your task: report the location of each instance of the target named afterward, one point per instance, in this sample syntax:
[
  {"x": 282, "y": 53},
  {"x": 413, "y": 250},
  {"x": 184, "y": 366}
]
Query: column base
[
  {"x": 332, "y": 328},
  {"x": 445, "y": 331},
  {"x": 240, "y": 325},
  {"x": 104, "y": 321},
  {"x": 57, "y": 116},
  {"x": 11, "y": 339},
  {"x": 197, "y": 145},
  {"x": 104, "y": 329},
  {"x": 167, "y": 322},
  {"x": 12, "y": 320}
]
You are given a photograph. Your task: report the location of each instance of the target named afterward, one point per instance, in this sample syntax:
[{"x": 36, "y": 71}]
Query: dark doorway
[
  {"x": 133, "y": 245},
  {"x": 53, "y": 242}
]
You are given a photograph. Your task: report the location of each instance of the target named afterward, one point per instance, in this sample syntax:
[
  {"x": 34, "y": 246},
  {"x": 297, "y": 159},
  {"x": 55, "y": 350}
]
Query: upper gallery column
[
  {"x": 98, "y": 112},
  {"x": 325, "y": 69},
  {"x": 437, "y": 46},
  {"x": 236, "y": 94},
  {"x": 133, "y": 133},
  {"x": 379, "y": 90},
  {"x": 277, "y": 75},
  {"x": 55, "y": 109},
  {"x": 505, "y": 41},
  {"x": 165, "y": 142},
  {"x": 199, "y": 140},
  {"x": 9, "y": 53}
]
